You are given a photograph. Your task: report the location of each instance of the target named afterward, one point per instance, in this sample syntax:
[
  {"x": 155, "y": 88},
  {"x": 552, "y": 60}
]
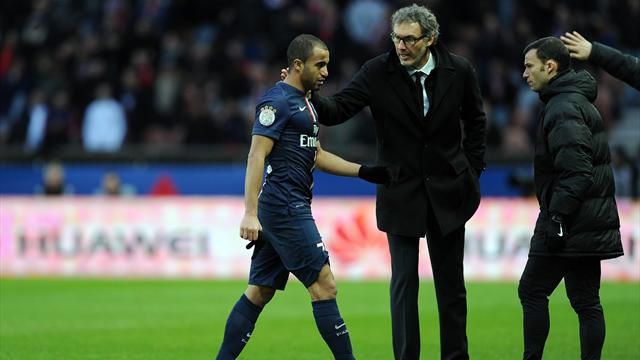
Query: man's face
[
  {"x": 315, "y": 70},
  {"x": 411, "y": 55},
  {"x": 536, "y": 73}
]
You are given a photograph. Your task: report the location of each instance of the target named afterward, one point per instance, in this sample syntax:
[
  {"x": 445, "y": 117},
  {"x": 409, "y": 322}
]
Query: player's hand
[
  {"x": 579, "y": 47},
  {"x": 284, "y": 73},
  {"x": 249, "y": 227},
  {"x": 556, "y": 233},
  {"x": 375, "y": 174}
]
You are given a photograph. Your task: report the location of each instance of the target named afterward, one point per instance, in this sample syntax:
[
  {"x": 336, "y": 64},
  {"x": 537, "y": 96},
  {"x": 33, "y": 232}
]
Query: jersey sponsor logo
[
  {"x": 315, "y": 129},
  {"x": 308, "y": 141},
  {"x": 267, "y": 115}
]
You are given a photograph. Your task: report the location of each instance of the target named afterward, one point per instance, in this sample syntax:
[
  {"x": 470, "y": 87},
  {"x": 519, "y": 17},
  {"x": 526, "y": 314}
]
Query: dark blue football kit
[{"x": 293, "y": 244}]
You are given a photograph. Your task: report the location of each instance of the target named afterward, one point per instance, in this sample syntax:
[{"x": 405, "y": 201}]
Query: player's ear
[{"x": 298, "y": 65}]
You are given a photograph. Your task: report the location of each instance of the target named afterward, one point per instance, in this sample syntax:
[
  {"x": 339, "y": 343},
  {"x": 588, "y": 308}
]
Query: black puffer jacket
[{"x": 573, "y": 176}]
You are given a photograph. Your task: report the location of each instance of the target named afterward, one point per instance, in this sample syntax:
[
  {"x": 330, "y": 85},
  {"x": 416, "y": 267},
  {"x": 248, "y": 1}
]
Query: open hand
[{"x": 579, "y": 47}]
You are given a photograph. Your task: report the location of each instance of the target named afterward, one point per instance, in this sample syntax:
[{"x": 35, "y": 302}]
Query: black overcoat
[{"x": 436, "y": 159}]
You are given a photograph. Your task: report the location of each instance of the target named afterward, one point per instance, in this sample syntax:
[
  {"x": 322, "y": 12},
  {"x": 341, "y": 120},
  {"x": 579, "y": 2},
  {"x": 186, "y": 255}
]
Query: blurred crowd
[{"x": 106, "y": 73}]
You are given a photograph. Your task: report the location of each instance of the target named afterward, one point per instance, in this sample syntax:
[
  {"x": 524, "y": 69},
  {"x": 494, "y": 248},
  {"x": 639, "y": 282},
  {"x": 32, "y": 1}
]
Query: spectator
[
  {"x": 112, "y": 186},
  {"x": 53, "y": 181},
  {"x": 37, "y": 120},
  {"x": 60, "y": 121},
  {"x": 151, "y": 50},
  {"x": 105, "y": 123}
]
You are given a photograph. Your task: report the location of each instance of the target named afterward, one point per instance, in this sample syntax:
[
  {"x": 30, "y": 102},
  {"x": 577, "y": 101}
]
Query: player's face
[
  {"x": 315, "y": 69},
  {"x": 411, "y": 55},
  {"x": 535, "y": 71}
]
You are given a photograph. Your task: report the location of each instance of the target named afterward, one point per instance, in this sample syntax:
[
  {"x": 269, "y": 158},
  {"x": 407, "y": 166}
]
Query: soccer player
[{"x": 286, "y": 135}]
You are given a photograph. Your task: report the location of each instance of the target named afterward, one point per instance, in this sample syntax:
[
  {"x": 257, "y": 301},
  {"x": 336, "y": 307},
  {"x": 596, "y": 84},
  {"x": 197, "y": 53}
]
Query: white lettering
[{"x": 308, "y": 141}]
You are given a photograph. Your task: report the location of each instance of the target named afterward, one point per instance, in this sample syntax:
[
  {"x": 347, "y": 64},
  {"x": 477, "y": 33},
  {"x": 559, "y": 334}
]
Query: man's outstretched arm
[
  {"x": 345, "y": 104},
  {"x": 622, "y": 66}
]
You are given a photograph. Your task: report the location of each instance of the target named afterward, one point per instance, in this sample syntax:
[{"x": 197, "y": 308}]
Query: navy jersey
[{"x": 286, "y": 116}]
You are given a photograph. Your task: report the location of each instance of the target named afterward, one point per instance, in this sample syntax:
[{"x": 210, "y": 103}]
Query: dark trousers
[
  {"x": 582, "y": 280},
  {"x": 446, "y": 253}
]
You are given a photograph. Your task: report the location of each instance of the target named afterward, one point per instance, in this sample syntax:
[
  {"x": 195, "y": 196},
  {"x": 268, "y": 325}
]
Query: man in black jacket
[
  {"x": 430, "y": 128},
  {"x": 624, "y": 67},
  {"x": 578, "y": 224}
]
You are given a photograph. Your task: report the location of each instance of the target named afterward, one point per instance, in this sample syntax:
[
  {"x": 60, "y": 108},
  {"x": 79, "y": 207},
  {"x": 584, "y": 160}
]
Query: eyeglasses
[{"x": 408, "y": 40}]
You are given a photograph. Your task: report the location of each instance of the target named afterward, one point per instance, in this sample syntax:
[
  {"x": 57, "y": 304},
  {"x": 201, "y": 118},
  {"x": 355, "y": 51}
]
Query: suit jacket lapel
[
  {"x": 401, "y": 84},
  {"x": 445, "y": 74},
  {"x": 443, "y": 82}
]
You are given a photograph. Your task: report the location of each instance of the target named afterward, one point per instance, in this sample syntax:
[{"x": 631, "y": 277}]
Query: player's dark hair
[
  {"x": 551, "y": 48},
  {"x": 302, "y": 47}
]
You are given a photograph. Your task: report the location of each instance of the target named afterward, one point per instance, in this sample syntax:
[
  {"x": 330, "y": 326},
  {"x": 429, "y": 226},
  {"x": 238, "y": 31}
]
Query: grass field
[{"x": 141, "y": 319}]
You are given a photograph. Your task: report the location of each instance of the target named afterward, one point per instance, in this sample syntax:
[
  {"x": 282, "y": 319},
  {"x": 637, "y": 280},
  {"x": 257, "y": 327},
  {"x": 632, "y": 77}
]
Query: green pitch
[{"x": 130, "y": 319}]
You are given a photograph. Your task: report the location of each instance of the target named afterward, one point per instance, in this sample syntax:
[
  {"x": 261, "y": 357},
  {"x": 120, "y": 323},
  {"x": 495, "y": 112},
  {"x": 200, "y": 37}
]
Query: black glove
[
  {"x": 375, "y": 174},
  {"x": 555, "y": 233}
]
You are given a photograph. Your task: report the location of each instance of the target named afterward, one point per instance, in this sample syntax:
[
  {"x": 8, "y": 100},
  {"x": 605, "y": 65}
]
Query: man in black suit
[{"x": 430, "y": 128}]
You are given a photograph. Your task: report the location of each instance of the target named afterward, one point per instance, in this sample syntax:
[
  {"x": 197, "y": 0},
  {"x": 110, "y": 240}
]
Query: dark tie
[{"x": 418, "y": 80}]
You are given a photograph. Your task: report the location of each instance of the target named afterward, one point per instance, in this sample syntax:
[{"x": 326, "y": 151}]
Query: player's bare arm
[
  {"x": 333, "y": 164},
  {"x": 260, "y": 148}
]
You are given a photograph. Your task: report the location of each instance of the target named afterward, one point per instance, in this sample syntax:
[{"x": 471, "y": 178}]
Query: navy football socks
[
  {"x": 237, "y": 332},
  {"x": 332, "y": 328}
]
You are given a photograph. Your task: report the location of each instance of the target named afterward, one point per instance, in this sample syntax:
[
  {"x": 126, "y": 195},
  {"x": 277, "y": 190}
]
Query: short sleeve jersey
[{"x": 286, "y": 116}]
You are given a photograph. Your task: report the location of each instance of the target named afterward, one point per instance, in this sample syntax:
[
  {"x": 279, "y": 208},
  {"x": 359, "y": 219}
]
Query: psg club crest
[{"x": 267, "y": 115}]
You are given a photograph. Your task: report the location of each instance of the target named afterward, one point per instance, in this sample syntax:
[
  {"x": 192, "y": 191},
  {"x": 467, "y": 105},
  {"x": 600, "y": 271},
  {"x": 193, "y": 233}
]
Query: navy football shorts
[{"x": 291, "y": 244}]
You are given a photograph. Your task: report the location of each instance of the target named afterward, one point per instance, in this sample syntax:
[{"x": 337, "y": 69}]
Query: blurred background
[{"x": 126, "y": 106}]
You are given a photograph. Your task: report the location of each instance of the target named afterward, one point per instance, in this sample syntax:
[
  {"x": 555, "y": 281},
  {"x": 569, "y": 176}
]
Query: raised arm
[
  {"x": 622, "y": 66},
  {"x": 261, "y": 147}
]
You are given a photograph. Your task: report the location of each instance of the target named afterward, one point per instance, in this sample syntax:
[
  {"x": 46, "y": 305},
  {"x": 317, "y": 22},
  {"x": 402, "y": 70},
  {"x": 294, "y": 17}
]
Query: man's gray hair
[{"x": 418, "y": 14}]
